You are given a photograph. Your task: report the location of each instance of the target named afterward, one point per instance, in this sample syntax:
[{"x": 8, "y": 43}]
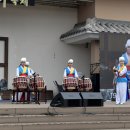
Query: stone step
[
  {"x": 63, "y": 118},
  {"x": 39, "y": 117},
  {"x": 38, "y": 110},
  {"x": 80, "y": 125}
]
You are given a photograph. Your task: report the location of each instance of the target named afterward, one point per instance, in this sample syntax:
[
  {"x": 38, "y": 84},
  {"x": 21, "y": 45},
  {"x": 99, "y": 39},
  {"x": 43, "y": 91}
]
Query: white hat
[
  {"x": 70, "y": 61},
  {"x": 27, "y": 63},
  {"x": 121, "y": 59},
  {"x": 127, "y": 43},
  {"x": 23, "y": 59}
]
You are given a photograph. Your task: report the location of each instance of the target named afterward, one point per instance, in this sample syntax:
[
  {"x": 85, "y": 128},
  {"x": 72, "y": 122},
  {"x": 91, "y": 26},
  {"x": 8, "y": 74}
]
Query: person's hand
[
  {"x": 114, "y": 83},
  {"x": 79, "y": 78},
  {"x": 115, "y": 69}
]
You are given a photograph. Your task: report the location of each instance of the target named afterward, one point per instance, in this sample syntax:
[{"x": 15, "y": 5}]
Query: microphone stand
[
  {"x": 83, "y": 82},
  {"x": 83, "y": 90},
  {"x": 35, "y": 88}
]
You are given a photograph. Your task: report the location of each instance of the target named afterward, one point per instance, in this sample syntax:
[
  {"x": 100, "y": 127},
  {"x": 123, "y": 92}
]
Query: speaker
[
  {"x": 95, "y": 78},
  {"x": 92, "y": 99},
  {"x": 67, "y": 99},
  {"x": 31, "y": 2}
]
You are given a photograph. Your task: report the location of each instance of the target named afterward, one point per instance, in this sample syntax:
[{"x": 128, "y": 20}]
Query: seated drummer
[
  {"x": 22, "y": 70},
  {"x": 70, "y": 71}
]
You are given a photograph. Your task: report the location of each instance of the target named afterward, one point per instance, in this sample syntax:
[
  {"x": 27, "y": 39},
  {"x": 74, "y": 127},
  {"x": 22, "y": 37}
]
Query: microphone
[
  {"x": 34, "y": 74},
  {"x": 83, "y": 77}
]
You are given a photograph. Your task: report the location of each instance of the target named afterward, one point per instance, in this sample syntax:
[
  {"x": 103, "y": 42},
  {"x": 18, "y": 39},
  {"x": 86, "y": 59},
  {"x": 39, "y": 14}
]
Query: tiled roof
[
  {"x": 96, "y": 25},
  {"x": 64, "y": 3}
]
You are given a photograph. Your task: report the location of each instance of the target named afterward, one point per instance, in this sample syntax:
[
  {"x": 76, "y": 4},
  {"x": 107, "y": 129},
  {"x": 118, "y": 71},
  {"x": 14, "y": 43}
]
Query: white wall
[
  {"x": 113, "y": 9},
  {"x": 34, "y": 33}
]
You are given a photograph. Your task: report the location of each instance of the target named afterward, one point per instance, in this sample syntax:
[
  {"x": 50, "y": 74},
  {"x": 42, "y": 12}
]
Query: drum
[
  {"x": 70, "y": 83},
  {"x": 20, "y": 82},
  {"x": 85, "y": 84},
  {"x": 14, "y": 83},
  {"x": 38, "y": 83}
]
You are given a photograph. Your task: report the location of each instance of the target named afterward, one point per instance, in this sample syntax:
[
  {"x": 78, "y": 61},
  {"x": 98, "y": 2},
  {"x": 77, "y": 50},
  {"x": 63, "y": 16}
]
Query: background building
[{"x": 40, "y": 34}]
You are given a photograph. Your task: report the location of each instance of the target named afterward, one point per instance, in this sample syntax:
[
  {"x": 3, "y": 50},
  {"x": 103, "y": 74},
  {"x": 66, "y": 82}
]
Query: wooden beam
[{"x": 2, "y": 64}]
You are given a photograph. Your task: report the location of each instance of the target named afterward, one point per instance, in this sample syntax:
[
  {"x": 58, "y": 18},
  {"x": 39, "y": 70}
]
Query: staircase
[{"x": 37, "y": 117}]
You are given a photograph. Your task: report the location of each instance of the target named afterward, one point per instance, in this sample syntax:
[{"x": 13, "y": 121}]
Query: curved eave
[{"x": 81, "y": 38}]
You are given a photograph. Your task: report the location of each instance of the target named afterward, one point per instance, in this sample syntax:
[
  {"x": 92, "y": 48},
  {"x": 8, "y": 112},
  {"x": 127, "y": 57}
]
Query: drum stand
[{"x": 36, "y": 91}]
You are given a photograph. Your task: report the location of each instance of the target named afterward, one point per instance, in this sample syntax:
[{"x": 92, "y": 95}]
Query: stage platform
[
  {"x": 7, "y": 107},
  {"x": 9, "y": 104},
  {"x": 38, "y": 117}
]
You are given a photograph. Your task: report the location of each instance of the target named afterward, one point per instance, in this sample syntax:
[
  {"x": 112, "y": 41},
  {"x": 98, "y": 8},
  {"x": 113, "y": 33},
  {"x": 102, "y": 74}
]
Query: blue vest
[
  {"x": 69, "y": 72},
  {"x": 121, "y": 79},
  {"x": 23, "y": 70}
]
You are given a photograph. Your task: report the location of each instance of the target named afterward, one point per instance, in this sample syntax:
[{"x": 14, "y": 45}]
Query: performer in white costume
[
  {"x": 23, "y": 71},
  {"x": 69, "y": 71},
  {"x": 126, "y": 55},
  {"x": 121, "y": 82}
]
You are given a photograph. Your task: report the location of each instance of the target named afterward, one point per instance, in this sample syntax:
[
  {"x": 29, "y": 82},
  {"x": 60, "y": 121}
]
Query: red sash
[
  {"x": 128, "y": 67},
  {"x": 123, "y": 76},
  {"x": 24, "y": 75},
  {"x": 70, "y": 75}
]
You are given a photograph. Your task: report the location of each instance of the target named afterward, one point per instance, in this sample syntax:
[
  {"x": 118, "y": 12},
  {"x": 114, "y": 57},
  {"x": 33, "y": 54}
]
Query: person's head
[
  {"x": 70, "y": 62},
  {"x": 127, "y": 46},
  {"x": 121, "y": 61},
  {"x": 27, "y": 63},
  {"x": 23, "y": 61}
]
